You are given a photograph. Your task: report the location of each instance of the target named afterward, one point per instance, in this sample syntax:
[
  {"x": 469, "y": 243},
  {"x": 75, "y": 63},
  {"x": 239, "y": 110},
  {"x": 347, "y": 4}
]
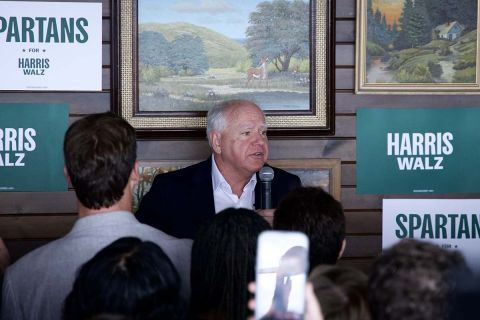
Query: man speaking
[{"x": 180, "y": 201}]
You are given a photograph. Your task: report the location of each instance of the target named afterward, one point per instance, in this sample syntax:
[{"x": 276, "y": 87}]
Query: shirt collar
[
  {"x": 218, "y": 180},
  {"x": 104, "y": 218}
]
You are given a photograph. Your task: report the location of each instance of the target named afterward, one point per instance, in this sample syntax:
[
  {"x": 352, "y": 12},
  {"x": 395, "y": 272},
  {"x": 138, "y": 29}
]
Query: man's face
[{"x": 242, "y": 147}]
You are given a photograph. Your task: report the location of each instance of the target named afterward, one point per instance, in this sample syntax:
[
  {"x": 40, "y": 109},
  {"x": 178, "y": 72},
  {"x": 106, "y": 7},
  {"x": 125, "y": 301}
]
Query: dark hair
[
  {"x": 129, "y": 278},
  {"x": 223, "y": 263},
  {"x": 100, "y": 152},
  {"x": 341, "y": 291},
  {"x": 317, "y": 214},
  {"x": 412, "y": 280}
]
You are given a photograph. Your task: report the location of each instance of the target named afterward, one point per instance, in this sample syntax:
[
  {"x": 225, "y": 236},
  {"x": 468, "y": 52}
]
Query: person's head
[
  {"x": 341, "y": 291},
  {"x": 317, "y": 214},
  {"x": 100, "y": 152},
  {"x": 223, "y": 263},
  {"x": 237, "y": 134},
  {"x": 128, "y": 278},
  {"x": 412, "y": 280}
]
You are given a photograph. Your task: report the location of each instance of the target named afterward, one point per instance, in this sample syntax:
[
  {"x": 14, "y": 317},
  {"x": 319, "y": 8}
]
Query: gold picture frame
[
  {"x": 325, "y": 173},
  {"x": 441, "y": 57},
  {"x": 317, "y": 119}
]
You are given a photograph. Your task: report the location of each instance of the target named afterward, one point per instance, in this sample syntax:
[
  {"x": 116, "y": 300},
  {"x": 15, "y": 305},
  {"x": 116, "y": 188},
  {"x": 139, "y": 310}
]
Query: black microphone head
[{"x": 266, "y": 174}]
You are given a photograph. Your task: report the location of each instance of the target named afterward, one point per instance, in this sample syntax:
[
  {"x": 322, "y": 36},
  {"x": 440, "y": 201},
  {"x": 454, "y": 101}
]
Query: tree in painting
[
  {"x": 187, "y": 55},
  {"x": 279, "y": 30}
]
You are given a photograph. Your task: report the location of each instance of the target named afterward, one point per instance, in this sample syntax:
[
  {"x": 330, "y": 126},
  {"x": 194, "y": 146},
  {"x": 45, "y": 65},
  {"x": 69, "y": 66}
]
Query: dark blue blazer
[{"x": 180, "y": 201}]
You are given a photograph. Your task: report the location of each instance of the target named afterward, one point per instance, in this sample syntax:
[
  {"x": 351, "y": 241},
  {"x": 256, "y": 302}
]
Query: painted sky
[
  {"x": 224, "y": 16},
  {"x": 391, "y": 8}
]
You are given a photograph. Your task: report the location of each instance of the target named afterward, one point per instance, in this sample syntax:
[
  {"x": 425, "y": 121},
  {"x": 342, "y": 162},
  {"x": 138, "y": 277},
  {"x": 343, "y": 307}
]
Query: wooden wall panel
[
  {"x": 37, "y": 202},
  {"x": 38, "y": 226},
  {"x": 345, "y": 31},
  {"x": 345, "y": 55},
  {"x": 345, "y": 9},
  {"x": 89, "y": 103}
]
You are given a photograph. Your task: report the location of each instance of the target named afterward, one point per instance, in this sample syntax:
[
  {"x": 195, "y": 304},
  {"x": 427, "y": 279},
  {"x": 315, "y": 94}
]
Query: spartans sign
[
  {"x": 31, "y": 140},
  {"x": 451, "y": 224},
  {"x": 51, "y": 46},
  {"x": 405, "y": 151}
]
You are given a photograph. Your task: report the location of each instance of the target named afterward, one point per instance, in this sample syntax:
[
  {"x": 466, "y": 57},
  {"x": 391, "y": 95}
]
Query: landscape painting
[
  {"x": 418, "y": 45},
  {"x": 194, "y": 53}
]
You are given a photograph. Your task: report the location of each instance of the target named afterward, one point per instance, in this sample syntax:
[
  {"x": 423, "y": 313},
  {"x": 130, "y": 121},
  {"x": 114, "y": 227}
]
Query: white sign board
[
  {"x": 50, "y": 46},
  {"x": 451, "y": 224}
]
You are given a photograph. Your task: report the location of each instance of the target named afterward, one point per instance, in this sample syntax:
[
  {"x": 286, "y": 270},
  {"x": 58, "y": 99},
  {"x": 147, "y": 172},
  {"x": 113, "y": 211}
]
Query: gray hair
[{"x": 216, "y": 119}]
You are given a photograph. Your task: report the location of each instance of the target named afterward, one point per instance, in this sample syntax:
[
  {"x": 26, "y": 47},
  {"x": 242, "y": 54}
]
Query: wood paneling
[
  {"x": 90, "y": 102},
  {"x": 345, "y": 9},
  {"x": 38, "y": 226},
  {"x": 37, "y": 202},
  {"x": 345, "y": 55},
  {"x": 345, "y": 31}
]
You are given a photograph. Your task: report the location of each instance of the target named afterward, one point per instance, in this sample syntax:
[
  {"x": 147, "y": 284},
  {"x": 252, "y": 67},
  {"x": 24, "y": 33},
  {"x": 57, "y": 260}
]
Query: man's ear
[
  {"x": 67, "y": 176},
  {"x": 134, "y": 177},
  {"x": 342, "y": 250},
  {"x": 215, "y": 138}
]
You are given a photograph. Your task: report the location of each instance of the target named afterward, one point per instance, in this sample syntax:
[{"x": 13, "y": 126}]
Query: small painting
[{"x": 417, "y": 45}]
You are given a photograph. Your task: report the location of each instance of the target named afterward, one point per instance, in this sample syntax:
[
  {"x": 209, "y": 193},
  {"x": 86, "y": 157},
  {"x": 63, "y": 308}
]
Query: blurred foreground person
[
  {"x": 413, "y": 280},
  {"x": 223, "y": 263},
  {"x": 341, "y": 291},
  {"x": 128, "y": 278},
  {"x": 317, "y": 214}
]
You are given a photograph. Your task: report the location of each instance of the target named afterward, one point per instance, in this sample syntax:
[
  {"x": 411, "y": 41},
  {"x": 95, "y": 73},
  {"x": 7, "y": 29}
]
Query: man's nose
[{"x": 260, "y": 138}]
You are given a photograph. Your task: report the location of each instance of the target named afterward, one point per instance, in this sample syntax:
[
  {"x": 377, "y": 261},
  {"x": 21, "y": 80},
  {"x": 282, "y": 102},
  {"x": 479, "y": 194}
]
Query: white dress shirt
[{"x": 225, "y": 198}]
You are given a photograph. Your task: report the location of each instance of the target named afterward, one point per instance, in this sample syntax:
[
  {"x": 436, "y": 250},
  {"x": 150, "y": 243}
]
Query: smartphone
[{"x": 281, "y": 273}]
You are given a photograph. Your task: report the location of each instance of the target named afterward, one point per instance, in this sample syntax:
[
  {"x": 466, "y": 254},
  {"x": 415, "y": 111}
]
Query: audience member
[
  {"x": 180, "y": 201},
  {"x": 412, "y": 280},
  {"x": 100, "y": 162},
  {"x": 128, "y": 278},
  {"x": 317, "y": 214},
  {"x": 341, "y": 291},
  {"x": 223, "y": 263}
]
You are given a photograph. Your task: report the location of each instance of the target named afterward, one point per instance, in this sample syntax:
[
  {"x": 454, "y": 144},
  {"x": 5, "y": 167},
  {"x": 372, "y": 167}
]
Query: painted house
[{"x": 448, "y": 31}]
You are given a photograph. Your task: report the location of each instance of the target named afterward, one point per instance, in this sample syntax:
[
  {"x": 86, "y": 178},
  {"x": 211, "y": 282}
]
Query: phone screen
[{"x": 282, "y": 264}]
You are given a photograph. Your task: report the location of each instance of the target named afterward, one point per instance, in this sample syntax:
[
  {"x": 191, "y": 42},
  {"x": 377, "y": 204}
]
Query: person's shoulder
[
  {"x": 152, "y": 234},
  {"x": 36, "y": 259}
]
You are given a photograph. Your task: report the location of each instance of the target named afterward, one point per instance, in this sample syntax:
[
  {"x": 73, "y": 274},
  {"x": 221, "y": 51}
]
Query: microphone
[{"x": 266, "y": 176}]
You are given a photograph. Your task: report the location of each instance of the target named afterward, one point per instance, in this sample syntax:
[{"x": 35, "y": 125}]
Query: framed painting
[
  {"x": 178, "y": 58},
  {"x": 324, "y": 173},
  {"x": 421, "y": 46}
]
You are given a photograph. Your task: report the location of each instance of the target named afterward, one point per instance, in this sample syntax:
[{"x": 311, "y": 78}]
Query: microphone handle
[{"x": 267, "y": 195}]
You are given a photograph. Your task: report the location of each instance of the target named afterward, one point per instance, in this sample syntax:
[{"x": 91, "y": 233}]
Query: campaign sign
[
  {"x": 31, "y": 144},
  {"x": 50, "y": 46},
  {"x": 451, "y": 224},
  {"x": 406, "y": 151}
]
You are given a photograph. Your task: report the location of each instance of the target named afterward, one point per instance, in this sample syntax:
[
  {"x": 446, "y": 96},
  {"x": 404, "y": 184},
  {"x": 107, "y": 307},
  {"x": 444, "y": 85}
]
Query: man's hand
[{"x": 267, "y": 214}]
